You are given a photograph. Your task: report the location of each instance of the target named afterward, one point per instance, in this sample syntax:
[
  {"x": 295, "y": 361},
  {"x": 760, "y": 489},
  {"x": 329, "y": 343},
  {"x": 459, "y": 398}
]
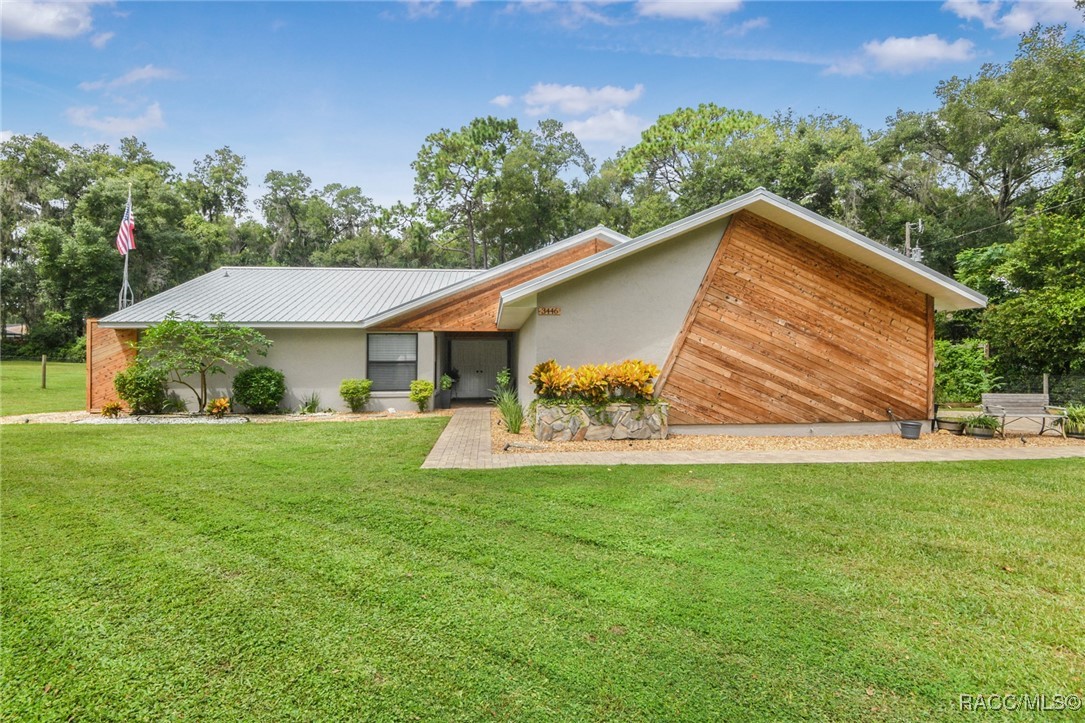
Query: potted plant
[
  {"x": 444, "y": 396},
  {"x": 1074, "y": 424},
  {"x": 983, "y": 425},
  {"x": 954, "y": 425}
]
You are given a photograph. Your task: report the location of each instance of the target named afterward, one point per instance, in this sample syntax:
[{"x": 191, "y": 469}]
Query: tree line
[{"x": 996, "y": 173}]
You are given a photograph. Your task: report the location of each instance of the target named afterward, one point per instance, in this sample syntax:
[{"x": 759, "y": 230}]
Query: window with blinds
[{"x": 392, "y": 362}]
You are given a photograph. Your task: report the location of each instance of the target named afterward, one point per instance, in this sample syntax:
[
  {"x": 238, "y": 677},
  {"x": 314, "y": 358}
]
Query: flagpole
[{"x": 126, "y": 297}]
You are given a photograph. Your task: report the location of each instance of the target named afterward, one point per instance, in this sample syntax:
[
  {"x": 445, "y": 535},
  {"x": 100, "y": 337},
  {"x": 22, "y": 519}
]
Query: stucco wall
[
  {"x": 630, "y": 309},
  {"x": 317, "y": 360},
  {"x": 525, "y": 360}
]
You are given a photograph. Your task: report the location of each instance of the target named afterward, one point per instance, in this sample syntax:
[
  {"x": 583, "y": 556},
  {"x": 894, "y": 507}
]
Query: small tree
[{"x": 188, "y": 348}]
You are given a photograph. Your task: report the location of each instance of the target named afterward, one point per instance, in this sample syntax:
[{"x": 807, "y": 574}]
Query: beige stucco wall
[
  {"x": 525, "y": 360},
  {"x": 630, "y": 309},
  {"x": 317, "y": 360}
]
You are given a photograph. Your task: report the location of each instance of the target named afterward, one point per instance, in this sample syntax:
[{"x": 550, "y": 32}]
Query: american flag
[{"x": 126, "y": 236}]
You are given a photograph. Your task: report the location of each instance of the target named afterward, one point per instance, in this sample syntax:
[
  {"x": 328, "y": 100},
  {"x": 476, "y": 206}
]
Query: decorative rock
[{"x": 615, "y": 421}]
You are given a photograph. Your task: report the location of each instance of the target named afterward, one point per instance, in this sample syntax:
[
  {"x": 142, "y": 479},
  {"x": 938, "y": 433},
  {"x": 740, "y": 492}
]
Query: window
[{"x": 392, "y": 362}]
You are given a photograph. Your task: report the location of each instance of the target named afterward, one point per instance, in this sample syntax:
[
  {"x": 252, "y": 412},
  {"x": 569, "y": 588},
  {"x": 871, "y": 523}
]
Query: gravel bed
[
  {"x": 527, "y": 444},
  {"x": 164, "y": 419}
]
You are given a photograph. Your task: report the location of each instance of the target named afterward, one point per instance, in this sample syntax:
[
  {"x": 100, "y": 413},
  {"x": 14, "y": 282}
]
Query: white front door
[{"x": 478, "y": 361}]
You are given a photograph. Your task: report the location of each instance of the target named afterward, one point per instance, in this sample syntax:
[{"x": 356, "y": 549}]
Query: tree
[
  {"x": 684, "y": 143},
  {"x": 217, "y": 184},
  {"x": 185, "y": 348},
  {"x": 1000, "y": 134},
  {"x": 532, "y": 202},
  {"x": 285, "y": 207},
  {"x": 455, "y": 176}
]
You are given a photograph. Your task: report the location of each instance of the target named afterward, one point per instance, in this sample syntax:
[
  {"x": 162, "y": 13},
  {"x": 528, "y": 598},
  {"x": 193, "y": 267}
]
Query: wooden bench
[{"x": 1010, "y": 408}]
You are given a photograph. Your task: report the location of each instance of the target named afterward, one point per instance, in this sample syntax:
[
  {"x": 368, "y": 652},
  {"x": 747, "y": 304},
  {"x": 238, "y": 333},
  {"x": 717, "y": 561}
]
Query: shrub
[
  {"x": 551, "y": 380},
  {"x": 509, "y": 407},
  {"x": 75, "y": 352},
  {"x": 218, "y": 407},
  {"x": 260, "y": 389},
  {"x": 962, "y": 372},
  {"x": 595, "y": 383},
  {"x": 504, "y": 379},
  {"x": 447, "y": 381},
  {"x": 142, "y": 387},
  {"x": 421, "y": 391},
  {"x": 355, "y": 392},
  {"x": 112, "y": 409},
  {"x": 310, "y": 405}
]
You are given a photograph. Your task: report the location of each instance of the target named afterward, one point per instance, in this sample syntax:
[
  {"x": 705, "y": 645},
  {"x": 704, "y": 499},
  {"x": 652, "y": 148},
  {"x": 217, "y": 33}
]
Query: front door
[{"x": 478, "y": 362}]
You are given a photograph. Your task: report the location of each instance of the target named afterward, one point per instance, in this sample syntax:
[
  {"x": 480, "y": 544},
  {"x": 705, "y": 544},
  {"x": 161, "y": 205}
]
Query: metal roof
[
  {"x": 947, "y": 293},
  {"x": 289, "y": 296}
]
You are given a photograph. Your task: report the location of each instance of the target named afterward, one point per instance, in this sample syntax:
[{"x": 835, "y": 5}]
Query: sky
[{"x": 348, "y": 91}]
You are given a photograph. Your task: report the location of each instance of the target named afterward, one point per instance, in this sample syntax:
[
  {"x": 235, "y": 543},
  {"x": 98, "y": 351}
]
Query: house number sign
[{"x": 549, "y": 311}]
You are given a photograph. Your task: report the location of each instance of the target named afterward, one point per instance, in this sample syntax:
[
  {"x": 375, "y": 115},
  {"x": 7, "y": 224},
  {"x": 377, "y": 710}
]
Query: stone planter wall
[{"x": 563, "y": 423}]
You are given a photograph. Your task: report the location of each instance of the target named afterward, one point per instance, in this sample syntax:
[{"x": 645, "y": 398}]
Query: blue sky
[{"x": 348, "y": 91}]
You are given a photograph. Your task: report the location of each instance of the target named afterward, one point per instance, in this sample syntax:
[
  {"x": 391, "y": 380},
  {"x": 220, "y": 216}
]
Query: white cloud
[
  {"x": 503, "y": 101},
  {"x": 6, "y": 136},
  {"x": 746, "y": 26},
  {"x": 904, "y": 55},
  {"x": 417, "y": 9},
  {"x": 101, "y": 39},
  {"x": 704, "y": 10},
  {"x": 577, "y": 99},
  {"x": 87, "y": 117},
  {"x": 36, "y": 19},
  {"x": 570, "y": 14},
  {"x": 1018, "y": 16},
  {"x": 136, "y": 75},
  {"x": 612, "y": 126}
]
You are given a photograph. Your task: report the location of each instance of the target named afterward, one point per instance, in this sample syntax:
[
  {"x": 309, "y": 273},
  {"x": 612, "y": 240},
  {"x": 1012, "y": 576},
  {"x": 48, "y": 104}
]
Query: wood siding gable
[
  {"x": 475, "y": 309},
  {"x": 784, "y": 330}
]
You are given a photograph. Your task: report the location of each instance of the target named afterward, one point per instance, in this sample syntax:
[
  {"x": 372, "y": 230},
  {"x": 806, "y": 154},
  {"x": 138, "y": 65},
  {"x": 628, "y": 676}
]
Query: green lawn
[
  {"x": 21, "y": 392},
  {"x": 313, "y": 572}
]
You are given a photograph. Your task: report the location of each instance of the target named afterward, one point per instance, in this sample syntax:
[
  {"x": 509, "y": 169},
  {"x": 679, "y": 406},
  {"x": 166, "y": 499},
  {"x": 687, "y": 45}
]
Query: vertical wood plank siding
[
  {"x": 475, "y": 309},
  {"x": 108, "y": 352},
  {"x": 785, "y": 330}
]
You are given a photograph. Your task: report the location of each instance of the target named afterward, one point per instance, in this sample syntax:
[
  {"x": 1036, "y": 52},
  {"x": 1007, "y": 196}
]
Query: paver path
[{"x": 465, "y": 444}]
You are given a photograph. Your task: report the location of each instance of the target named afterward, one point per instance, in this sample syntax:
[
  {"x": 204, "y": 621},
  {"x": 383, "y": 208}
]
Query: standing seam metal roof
[{"x": 290, "y": 295}]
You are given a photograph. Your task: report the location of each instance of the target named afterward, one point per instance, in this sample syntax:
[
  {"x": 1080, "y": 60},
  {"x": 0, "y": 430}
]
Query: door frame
[{"x": 450, "y": 337}]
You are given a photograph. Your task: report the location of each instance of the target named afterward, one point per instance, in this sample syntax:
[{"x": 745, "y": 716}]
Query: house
[{"x": 757, "y": 310}]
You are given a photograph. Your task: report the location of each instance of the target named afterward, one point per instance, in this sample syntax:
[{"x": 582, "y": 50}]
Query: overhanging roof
[
  {"x": 518, "y": 302},
  {"x": 289, "y": 296},
  {"x": 382, "y": 317}
]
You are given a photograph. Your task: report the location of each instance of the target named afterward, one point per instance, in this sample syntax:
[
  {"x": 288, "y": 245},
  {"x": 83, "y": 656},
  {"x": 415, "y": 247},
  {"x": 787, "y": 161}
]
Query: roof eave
[
  {"x": 954, "y": 296},
  {"x": 423, "y": 301}
]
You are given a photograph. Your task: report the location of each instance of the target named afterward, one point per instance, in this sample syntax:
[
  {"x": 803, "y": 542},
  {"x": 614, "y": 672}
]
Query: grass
[
  {"x": 21, "y": 392},
  {"x": 313, "y": 572}
]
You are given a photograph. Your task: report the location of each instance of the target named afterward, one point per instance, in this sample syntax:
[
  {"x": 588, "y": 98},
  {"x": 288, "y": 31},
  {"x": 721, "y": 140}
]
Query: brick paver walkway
[{"x": 465, "y": 444}]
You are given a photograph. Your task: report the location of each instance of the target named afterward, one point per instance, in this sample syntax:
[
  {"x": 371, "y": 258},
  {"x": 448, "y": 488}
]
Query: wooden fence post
[{"x": 43, "y": 361}]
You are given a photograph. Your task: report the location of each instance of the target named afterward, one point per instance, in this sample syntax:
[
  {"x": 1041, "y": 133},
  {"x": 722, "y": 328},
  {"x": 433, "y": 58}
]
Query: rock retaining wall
[{"x": 574, "y": 423}]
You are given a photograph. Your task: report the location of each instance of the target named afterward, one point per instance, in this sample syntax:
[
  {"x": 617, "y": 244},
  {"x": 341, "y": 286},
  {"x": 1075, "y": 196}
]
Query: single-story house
[{"x": 758, "y": 311}]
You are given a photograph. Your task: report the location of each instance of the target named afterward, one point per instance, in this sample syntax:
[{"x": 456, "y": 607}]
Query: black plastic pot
[
  {"x": 444, "y": 399},
  {"x": 911, "y": 430}
]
